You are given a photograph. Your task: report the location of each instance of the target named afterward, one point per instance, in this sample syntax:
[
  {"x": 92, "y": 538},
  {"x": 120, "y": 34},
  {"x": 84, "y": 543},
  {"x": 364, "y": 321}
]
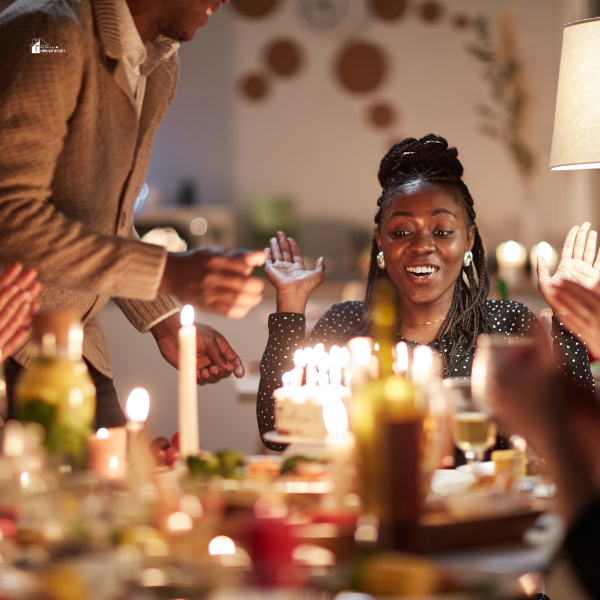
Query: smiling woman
[{"x": 426, "y": 242}]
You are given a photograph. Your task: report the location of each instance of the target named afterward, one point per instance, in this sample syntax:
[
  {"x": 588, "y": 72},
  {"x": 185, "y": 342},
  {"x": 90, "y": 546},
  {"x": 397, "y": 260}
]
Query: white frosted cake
[{"x": 299, "y": 410}]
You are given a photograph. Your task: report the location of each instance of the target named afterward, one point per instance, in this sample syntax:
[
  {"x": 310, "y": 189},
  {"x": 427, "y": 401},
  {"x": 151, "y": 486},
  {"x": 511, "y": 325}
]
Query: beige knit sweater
[{"x": 73, "y": 158}]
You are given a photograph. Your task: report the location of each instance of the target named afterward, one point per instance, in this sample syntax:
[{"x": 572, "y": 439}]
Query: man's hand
[
  {"x": 215, "y": 279},
  {"x": 215, "y": 357},
  {"x": 18, "y": 289}
]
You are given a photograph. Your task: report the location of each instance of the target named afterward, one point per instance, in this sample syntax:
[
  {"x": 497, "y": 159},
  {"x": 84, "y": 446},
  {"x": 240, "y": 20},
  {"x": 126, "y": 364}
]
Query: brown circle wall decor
[
  {"x": 381, "y": 114},
  {"x": 431, "y": 11},
  {"x": 254, "y": 87},
  {"x": 389, "y": 10},
  {"x": 461, "y": 21},
  {"x": 361, "y": 67},
  {"x": 254, "y": 8},
  {"x": 284, "y": 57}
]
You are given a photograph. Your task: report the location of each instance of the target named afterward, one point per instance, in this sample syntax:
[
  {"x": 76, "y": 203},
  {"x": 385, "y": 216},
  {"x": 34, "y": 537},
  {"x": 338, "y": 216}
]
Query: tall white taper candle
[{"x": 189, "y": 437}]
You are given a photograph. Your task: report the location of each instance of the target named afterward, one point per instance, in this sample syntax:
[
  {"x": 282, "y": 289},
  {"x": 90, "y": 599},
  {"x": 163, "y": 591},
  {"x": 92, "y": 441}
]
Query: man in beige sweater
[{"x": 84, "y": 85}]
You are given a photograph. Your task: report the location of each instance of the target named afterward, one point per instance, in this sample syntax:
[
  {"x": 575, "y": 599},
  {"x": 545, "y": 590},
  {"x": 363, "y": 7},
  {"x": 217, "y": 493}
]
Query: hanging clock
[{"x": 333, "y": 16}]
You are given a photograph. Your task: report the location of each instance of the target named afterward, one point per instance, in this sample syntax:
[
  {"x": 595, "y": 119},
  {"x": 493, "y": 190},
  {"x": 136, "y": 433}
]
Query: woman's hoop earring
[
  {"x": 468, "y": 258},
  {"x": 381, "y": 261}
]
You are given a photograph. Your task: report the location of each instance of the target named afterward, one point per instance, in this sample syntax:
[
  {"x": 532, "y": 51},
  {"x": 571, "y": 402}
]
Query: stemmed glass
[{"x": 472, "y": 429}]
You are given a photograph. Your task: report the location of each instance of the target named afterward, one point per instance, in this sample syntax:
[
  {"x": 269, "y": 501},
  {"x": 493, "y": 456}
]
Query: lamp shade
[{"x": 576, "y": 140}]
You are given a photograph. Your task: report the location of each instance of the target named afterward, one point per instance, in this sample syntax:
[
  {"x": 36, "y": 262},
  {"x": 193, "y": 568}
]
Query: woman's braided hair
[{"x": 430, "y": 161}]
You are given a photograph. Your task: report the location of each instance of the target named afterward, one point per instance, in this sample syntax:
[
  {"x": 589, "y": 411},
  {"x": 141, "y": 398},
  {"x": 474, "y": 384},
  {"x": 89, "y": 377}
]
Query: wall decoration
[
  {"x": 254, "y": 87},
  {"x": 461, "y": 21},
  {"x": 381, "y": 114},
  {"x": 254, "y": 8},
  {"x": 361, "y": 67},
  {"x": 389, "y": 10},
  {"x": 333, "y": 16},
  {"x": 431, "y": 11},
  {"x": 284, "y": 57},
  {"x": 505, "y": 116}
]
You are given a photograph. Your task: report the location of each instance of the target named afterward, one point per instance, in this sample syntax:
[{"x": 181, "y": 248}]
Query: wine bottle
[
  {"x": 387, "y": 427},
  {"x": 56, "y": 389}
]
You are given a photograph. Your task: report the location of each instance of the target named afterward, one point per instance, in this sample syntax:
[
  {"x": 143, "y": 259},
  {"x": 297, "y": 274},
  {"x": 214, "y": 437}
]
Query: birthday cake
[
  {"x": 299, "y": 412},
  {"x": 299, "y": 408}
]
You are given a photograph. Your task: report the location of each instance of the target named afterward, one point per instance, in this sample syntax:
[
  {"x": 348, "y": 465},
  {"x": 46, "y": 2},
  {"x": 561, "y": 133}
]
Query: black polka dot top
[{"x": 287, "y": 334}]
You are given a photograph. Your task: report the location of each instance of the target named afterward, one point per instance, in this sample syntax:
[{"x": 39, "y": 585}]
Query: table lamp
[{"x": 575, "y": 142}]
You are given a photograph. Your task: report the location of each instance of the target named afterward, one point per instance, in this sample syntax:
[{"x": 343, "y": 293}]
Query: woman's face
[{"x": 423, "y": 235}]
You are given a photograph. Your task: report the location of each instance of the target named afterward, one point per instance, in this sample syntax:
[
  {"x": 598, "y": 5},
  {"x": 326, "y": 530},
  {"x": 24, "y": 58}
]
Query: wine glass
[{"x": 473, "y": 430}]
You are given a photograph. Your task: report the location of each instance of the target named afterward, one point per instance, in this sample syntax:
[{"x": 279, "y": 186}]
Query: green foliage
[
  {"x": 226, "y": 463},
  {"x": 504, "y": 117},
  {"x": 289, "y": 464}
]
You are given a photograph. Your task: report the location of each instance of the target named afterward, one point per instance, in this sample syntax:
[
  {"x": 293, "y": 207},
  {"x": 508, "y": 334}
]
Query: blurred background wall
[{"x": 283, "y": 111}]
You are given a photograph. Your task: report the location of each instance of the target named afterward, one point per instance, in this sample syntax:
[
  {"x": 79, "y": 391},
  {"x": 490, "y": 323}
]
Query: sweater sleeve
[
  {"x": 145, "y": 314},
  {"x": 38, "y": 95},
  {"x": 286, "y": 334}
]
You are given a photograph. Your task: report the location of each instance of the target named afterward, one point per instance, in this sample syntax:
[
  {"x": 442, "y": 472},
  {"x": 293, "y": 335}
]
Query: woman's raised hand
[
  {"x": 578, "y": 262},
  {"x": 18, "y": 289},
  {"x": 286, "y": 271}
]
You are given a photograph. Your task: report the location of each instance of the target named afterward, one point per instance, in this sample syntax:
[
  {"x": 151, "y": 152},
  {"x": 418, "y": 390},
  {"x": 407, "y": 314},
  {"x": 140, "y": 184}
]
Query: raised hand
[
  {"x": 581, "y": 311},
  {"x": 285, "y": 269},
  {"x": 216, "y": 359},
  {"x": 578, "y": 262},
  {"x": 215, "y": 279},
  {"x": 18, "y": 289}
]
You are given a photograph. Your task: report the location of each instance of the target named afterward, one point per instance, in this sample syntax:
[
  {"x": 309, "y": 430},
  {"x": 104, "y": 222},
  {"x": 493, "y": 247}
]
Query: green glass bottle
[
  {"x": 56, "y": 389},
  {"x": 386, "y": 425}
]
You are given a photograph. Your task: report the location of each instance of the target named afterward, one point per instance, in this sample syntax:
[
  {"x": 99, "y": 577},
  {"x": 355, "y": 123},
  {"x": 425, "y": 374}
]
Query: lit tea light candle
[
  {"x": 189, "y": 435},
  {"x": 511, "y": 257},
  {"x": 340, "y": 448},
  {"x": 548, "y": 253},
  {"x": 107, "y": 453}
]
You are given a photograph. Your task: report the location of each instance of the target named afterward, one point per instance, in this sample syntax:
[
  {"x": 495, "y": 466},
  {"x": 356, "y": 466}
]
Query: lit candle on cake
[
  {"x": 299, "y": 364},
  {"x": 402, "y": 357},
  {"x": 422, "y": 365},
  {"x": 189, "y": 436},
  {"x": 340, "y": 448},
  {"x": 107, "y": 453},
  {"x": 360, "y": 361}
]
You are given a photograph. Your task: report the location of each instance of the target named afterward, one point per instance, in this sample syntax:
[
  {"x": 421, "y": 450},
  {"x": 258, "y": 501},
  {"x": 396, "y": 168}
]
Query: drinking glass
[
  {"x": 492, "y": 354},
  {"x": 473, "y": 430}
]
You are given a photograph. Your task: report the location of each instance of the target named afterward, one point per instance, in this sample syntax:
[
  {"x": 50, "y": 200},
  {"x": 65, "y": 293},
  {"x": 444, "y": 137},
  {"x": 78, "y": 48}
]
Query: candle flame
[
  {"x": 299, "y": 358},
  {"x": 102, "y": 433},
  {"x": 402, "y": 356},
  {"x": 512, "y": 251},
  {"x": 138, "y": 405},
  {"x": 221, "y": 545},
  {"x": 113, "y": 462},
  {"x": 360, "y": 351},
  {"x": 335, "y": 415},
  {"x": 545, "y": 250},
  {"x": 422, "y": 364},
  {"x": 187, "y": 315}
]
